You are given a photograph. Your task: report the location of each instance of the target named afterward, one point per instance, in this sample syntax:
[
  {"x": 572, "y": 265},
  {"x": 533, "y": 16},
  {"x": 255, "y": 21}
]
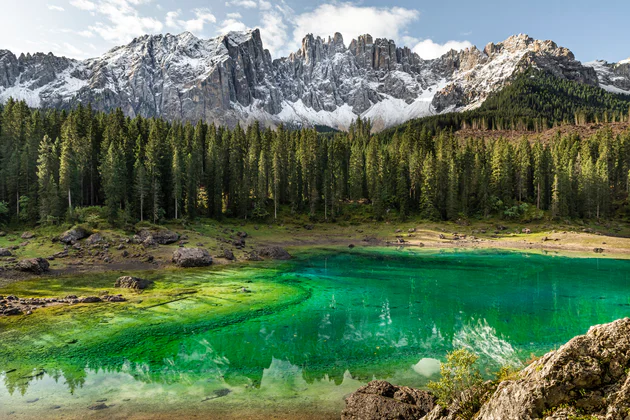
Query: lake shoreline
[{"x": 558, "y": 240}]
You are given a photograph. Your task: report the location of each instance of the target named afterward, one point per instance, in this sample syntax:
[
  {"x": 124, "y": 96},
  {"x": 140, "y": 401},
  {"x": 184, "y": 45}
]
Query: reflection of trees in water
[{"x": 384, "y": 319}]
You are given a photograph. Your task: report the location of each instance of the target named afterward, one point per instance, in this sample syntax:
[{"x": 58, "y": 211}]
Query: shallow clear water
[{"x": 345, "y": 317}]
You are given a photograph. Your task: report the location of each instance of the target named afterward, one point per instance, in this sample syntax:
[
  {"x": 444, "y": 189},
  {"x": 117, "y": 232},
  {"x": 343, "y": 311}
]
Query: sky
[{"x": 88, "y": 28}]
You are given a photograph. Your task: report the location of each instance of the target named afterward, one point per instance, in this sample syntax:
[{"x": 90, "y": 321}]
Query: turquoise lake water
[{"x": 385, "y": 314}]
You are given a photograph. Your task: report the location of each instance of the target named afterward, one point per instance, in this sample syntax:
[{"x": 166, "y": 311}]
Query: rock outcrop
[
  {"x": 589, "y": 374},
  {"x": 587, "y": 378},
  {"x": 380, "y": 400},
  {"x": 191, "y": 257},
  {"x": 232, "y": 78},
  {"x": 33, "y": 265}
]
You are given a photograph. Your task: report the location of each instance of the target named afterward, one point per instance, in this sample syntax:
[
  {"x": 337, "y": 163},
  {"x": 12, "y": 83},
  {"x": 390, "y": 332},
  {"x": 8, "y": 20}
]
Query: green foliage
[
  {"x": 55, "y": 163},
  {"x": 4, "y": 211},
  {"x": 508, "y": 373},
  {"x": 458, "y": 375}
]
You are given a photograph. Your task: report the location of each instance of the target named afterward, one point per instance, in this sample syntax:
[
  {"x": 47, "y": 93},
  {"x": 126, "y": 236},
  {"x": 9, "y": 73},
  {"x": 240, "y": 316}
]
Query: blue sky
[{"x": 87, "y": 28}]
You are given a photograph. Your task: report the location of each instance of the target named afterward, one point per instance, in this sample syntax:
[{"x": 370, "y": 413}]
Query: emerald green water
[{"x": 312, "y": 330}]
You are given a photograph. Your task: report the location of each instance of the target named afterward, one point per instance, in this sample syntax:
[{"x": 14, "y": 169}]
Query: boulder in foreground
[
  {"x": 191, "y": 257},
  {"x": 380, "y": 400},
  {"x": 33, "y": 265},
  {"x": 587, "y": 378}
]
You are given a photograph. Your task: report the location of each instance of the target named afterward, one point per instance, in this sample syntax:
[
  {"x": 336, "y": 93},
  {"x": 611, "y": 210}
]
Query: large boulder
[
  {"x": 161, "y": 236},
  {"x": 380, "y": 400},
  {"x": 191, "y": 257},
  {"x": 589, "y": 375},
  {"x": 94, "y": 239},
  {"x": 33, "y": 265},
  {"x": 128, "y": 282},
  {"x": 73, "y": 235},
  {"x": 274, "y": 253},
  {"x": 5, "y": 252}
]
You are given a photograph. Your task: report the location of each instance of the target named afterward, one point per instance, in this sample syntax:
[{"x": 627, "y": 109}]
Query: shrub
[{"x": 458, "y": 375}]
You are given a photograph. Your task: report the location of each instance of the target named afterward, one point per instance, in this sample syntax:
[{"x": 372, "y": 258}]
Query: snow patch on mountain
[{"x": 232, "y": 78}]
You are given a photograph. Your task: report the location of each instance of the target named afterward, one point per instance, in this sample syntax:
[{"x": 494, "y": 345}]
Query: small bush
[{"x": 459, "y": 375}]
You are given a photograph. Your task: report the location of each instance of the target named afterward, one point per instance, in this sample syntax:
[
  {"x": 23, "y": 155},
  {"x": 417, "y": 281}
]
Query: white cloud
[
  {"x": 229, "y": 25},
  {"x": 171, "y": 19},
  {"x": 248, "y": 4},
  {"x": 72, "y": 50},
  {"x": 196, "y": 25},
  {"x": 123, "y": 21},
  {"x": 83, "y": 4},
  {"x": 428, "y": 49},
  {"x": 264, "y": 5},
  {"x": 234, "y": 15},
  {"x": 55, "y": 8},
  {"x": 273, "y": 32},
  {"x": 85, "y": 34},
  {"x": 352, "y": 21}
]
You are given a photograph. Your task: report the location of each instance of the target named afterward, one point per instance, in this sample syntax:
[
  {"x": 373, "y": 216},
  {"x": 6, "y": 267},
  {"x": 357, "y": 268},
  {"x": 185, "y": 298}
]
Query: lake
[{"x": 301, "y": 336}]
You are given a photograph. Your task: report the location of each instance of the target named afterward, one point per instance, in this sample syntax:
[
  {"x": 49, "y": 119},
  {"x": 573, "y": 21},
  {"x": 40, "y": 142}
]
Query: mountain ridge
[{"x": 232, "y": 78}]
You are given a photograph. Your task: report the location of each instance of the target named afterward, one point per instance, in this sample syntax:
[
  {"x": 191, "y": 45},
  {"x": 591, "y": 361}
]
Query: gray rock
[
  {"x": 94, "y": 239},
  {"x": 590, "y": 372},
  {"x": 33, "y": 265},
  {"x": 128, "y": 282},
  {"x": 228, "y": 255},
  {"x": 191, "y": 257},
  {"x": 90, "y": 299},
  {"x": 162, "y": 237},
  {"x": 380, "y": 400},
  {"x": 27, "y": 235},
  {"x": 73, "y": 235},
  {"x": 5, "y": 252},
  {"x": 274, "y": 253}
]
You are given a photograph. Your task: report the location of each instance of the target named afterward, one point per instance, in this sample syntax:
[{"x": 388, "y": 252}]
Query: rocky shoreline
[{"x": 586, "y": 379}]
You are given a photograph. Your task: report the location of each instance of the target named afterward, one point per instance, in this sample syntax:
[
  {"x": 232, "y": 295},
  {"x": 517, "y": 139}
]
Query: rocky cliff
[
  {"x": 232, "y": 78},
  {"x": 587, "y": 378}
]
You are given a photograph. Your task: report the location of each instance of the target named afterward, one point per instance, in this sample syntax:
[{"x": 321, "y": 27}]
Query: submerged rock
[
  {"x": 191, "y": 257},
  {"x": 90, "y": 299},
  {"x": 33, "y": 265},
  {"x": 380, "y": 400},
  {"x": 274, "y": 253},
  {"x": 128, "y": 282}
]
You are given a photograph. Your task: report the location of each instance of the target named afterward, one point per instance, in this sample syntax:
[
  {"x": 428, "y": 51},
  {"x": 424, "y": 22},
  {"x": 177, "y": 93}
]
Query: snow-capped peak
[{"x": 232, "y": 78}]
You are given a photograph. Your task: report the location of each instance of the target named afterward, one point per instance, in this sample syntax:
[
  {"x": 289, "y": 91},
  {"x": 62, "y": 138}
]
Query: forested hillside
[
  {"x": 535, "y": 101},
  {"x": 54, "y": 164}
]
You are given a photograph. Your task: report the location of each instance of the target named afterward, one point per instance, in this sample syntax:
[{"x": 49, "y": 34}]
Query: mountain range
[{"x": 232, "y": 78}]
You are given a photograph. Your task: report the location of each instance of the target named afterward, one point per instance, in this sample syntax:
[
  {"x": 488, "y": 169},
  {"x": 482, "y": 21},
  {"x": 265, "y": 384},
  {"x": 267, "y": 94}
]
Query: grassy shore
[{"x": 575, "y": 238}]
